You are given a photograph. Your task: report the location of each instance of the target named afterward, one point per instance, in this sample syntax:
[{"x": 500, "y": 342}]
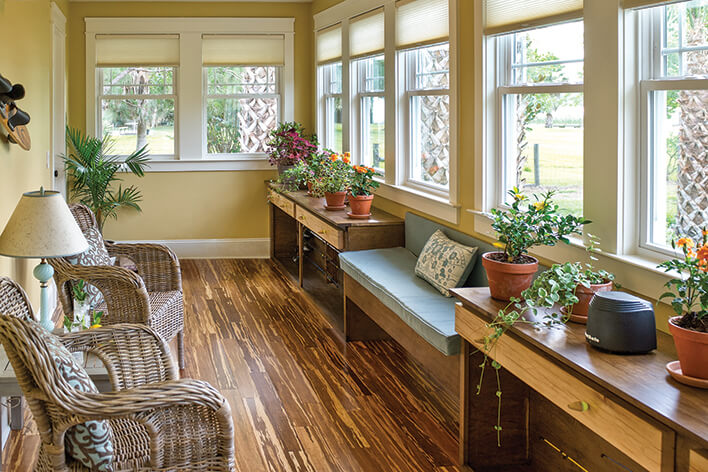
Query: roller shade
[
  {"x": 366, "y": 34},
  {"x": 628, "y": 4},
  {"x": 420, "y": 22},
  {"x": 329, "y": 44},
  {"x": 137, "y": 50},
  {"x": 240, "y": 50},
  {"x": 504, "y": 16}
]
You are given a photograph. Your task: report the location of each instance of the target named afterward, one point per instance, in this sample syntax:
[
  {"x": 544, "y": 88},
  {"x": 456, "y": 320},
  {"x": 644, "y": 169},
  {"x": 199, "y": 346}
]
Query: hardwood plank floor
[{"x": 302, "y": 400}]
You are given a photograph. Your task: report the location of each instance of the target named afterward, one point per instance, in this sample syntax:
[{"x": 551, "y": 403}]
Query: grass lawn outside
[{"x": 160, "y": 141}]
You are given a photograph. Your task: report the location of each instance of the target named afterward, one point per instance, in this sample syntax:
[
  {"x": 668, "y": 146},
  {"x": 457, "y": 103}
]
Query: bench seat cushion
[{"x": 389, "y": 274}]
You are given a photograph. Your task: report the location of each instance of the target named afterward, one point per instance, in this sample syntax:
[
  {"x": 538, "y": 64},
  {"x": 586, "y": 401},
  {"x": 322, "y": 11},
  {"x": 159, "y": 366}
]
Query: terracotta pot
[
  {"x": 361, "y": 204},
  {"x": 579, "y": 311},
  {"x": 692, "y": 350},
  {"x": 309, "y": 188},
  {"x": 508, "y": 280},
  {"x": 335, "y": 200}
]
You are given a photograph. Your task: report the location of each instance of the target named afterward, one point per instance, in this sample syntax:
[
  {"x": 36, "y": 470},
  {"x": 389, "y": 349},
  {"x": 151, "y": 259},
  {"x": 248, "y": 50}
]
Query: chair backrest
[
  {"x": 13, "y": 300},
  {"x": 83, "y": 216}
]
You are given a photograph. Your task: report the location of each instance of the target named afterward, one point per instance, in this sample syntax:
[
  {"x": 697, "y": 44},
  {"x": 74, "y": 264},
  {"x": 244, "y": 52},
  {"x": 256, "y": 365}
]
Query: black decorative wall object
[{"x": 14, "y": 121}]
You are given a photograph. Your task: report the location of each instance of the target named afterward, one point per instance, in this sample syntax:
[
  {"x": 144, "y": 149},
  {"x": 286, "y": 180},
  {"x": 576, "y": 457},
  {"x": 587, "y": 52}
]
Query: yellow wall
[
  {"x": 26, "y": 60},
  {"x": 194, "y": 205}
]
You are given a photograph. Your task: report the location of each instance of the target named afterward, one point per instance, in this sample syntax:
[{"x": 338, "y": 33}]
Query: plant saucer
[
  {"x": 674, "y": 369},
  {"x": 580, "y": 319},
  {"x": 358, "y": 217},
  {"x": 334, "y": 208}
]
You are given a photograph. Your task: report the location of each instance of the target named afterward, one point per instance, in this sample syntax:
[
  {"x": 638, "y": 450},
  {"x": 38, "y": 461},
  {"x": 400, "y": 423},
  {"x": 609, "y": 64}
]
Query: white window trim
[
  {"x": 277, "y": 95},
  {"x": 189, "y": 127},
  {"x": 447, "y": 207}
]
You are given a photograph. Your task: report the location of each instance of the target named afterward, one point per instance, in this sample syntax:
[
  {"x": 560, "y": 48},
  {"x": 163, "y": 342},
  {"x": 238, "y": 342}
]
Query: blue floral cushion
[
  {"x": 95, "y": 255},
  {"x": 445, "y": 263},
  {"x": 91, "y": 442}
]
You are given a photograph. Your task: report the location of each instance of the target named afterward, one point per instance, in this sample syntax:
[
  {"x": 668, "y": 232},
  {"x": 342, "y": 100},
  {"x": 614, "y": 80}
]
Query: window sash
[{"x": 361, "y": 93}]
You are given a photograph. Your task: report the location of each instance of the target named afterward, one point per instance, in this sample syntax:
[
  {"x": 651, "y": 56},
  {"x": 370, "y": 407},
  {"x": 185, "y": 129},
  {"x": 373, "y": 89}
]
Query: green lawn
[{"x": 160, "y": 140}]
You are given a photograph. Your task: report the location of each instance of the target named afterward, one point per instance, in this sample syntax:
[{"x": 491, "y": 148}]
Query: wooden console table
[
  {"x": 569, "y": 407},
  {"x": 306, "y": 240}
]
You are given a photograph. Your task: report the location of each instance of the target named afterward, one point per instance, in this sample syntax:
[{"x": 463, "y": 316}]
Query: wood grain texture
[{"x": 301, "y": 398}]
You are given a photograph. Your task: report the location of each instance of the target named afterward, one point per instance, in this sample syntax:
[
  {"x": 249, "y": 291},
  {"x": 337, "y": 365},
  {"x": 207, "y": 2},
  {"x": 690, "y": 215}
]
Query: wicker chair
[
  {"x": 152, "y": 297},
  {"x": 157, "y": 421},
  {"x": 13, "y": 300}
]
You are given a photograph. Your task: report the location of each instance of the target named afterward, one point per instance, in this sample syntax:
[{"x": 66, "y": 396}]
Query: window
[
  {"x": 198, "y": 98},
  {"x": 674, "y": 93},
  {"x": 372, "y": 111},
  {"x": 242, "y": 107},
  {"x": 540, "y": 108},
  {"x": 427, "y": 118},
  {"x": 137, "y": 108},
  {"x": 331, "y": 79}
]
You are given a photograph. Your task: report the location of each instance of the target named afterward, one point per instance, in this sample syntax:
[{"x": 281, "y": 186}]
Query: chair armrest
[
  {"x": 157, "y": 264},
  {"x": 134, "y": 355},
  {"x": 123, "y": 290},
  {"x": 171, "y": 411}
]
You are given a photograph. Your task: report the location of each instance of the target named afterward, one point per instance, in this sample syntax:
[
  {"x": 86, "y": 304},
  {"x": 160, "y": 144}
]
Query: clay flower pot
[
  {"x": 335, "y": 201},
  {"x": 508, "y": 280},
  {"x": 361, "y": 204},
  {"x": 579, "y": 312},
  {"x": 692, "y": 350}
]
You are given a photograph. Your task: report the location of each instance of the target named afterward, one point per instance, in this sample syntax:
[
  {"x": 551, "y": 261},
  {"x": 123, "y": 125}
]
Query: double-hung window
[
  {"x": 137, "y": 93},
  {"x": 329, "y": 85},
  {"x": 366, "y": 47},
  {"x": 539, "y": 93},
  {"x": 422, "y": 30},
  {"x": 673, "y": 52}
]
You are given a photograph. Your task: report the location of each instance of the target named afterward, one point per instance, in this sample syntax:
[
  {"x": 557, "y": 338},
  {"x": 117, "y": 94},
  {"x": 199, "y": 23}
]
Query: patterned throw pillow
[
  {"x": 89, "y": 443},
  {"x": 95, "y": 255},
  {"x": 445, "y": 263}
]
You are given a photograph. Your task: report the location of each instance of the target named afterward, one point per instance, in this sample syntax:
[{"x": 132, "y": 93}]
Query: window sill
[
  {"x": 209, "y": 165},
  {"x": 433, "y": 205},
  {"x": 637, "y": 273}
]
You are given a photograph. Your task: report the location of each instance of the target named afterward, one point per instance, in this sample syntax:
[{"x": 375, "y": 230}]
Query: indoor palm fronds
[{"x": 93, "y": 173}]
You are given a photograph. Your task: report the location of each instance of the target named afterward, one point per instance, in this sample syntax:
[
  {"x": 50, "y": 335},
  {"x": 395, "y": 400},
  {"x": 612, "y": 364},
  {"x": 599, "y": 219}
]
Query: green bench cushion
[{"x": 389, "y": 274}]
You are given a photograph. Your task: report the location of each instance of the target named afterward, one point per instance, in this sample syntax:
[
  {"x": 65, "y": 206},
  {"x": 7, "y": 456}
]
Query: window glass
[
  {"x": 331, "y": 76},
  {"x": 372, "y": 111},
  {"x": 684, "y": 42},
  {"x": 242, "y": 108},
  {"x": 137, "y": 108},
  {"x": 548, "y": 55}
]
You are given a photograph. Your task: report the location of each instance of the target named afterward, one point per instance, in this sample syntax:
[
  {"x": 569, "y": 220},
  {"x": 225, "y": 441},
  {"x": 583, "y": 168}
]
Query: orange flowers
[{"x": 685, "y": 242}]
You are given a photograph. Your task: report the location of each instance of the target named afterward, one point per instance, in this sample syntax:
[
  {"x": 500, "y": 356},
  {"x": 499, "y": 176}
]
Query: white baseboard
[{"x": 241, "y": 248}]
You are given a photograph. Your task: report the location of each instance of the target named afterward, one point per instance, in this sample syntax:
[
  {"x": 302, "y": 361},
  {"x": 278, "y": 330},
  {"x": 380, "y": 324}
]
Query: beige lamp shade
[{"x": 41, "y": 227}]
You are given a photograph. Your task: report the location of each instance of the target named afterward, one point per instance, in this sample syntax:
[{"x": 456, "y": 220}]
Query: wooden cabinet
[
  {"x": 572, "y": 403},
  {"x": 306, "y": 240}
]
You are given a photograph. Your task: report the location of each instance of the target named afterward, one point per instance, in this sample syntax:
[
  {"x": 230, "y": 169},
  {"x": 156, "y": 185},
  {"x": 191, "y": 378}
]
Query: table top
[
  {"x": 338, "y": 217},
  {"x": 641, "y": 380}
]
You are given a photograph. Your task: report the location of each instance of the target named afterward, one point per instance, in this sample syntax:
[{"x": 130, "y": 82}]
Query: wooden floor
[{"x": 302, "y": 400}]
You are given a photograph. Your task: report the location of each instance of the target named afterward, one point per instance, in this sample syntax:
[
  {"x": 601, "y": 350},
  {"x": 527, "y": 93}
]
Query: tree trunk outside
[
  {"x": 549, "y": 120},
  {"x": 142, "y": 133}
]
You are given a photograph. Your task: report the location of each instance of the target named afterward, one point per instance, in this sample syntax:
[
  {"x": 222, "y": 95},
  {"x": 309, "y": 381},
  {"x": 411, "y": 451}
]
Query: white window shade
[
  {"x": 503, "y": 16},
  {"x": 647, "y": 3},
  {"x": 366, "y": 34},
  {"x": 238, "y": 50},
  {"x": 329, "y": 44},
  {"x": 137, "y": 50},
  {"x": 421, "y": 22}
]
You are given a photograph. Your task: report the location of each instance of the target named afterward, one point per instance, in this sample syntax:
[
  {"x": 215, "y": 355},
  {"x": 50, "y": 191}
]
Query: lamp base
[{"x": 44, "y": 272}]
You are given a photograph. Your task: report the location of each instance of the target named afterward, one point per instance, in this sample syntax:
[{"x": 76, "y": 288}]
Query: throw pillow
[
  {"x": 95, "y": 255},
  {"x": 89, "y": 443},
  {"x": 445, "y": 263}
]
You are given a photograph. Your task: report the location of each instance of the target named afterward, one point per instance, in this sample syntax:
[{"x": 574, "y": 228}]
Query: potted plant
[
  {"x": 297, "y": 176},
  {"x": 689, "y": 299},
  {"x": 361, "y": 194},
  {"x": 93, "y": 171},
  {"x": 333, "y": 180},
  {"x": 521, "y": 227},
  {"x": 288, "y": 144}
]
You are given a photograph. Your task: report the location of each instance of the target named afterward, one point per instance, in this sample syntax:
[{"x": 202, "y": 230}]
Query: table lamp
[{"x": 42, "y": 227}]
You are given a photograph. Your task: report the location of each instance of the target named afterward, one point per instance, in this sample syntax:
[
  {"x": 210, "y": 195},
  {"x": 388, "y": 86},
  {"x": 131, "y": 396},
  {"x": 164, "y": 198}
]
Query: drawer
[
  {"x": 329, "y": 233},
  {"x": 281, "y": 202},
  {"x": 640, "y": 439},
  {"x": 698, "y": 461}
]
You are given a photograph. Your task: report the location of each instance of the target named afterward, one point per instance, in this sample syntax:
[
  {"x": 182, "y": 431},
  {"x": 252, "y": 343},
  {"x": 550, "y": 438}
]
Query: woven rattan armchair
[
  {"x": 13, "y": 300},
  {"x": 157, "y": 421},
  {"x": 152, "y": 296}
]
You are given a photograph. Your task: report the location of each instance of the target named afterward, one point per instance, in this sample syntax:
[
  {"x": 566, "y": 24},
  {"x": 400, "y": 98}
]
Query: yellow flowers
[
  {"x": 499, "y": 245},
  {"x": 519, "y": 196},
  {"x": 95, "y": 326},
  {"x": 539, "y": 205}
]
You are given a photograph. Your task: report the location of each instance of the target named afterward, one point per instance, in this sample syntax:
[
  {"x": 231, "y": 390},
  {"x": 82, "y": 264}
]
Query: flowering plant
[
  {"x": 689, "y": 293},
  {"x": 535, "y": 224},
  {"x": 288, "y": 144},
  {"x": 298, "y": 175},
  {"x": 363, "y": 182},
  {"x": 334, "y": 174}
]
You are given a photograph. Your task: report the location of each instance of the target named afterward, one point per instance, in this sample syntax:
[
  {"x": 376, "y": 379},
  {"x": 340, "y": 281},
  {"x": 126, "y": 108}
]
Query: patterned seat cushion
[
  {"x": 90, "y": 443},
  {"x": 445, "y": 263},
  {"x": 95, "y": 255}
]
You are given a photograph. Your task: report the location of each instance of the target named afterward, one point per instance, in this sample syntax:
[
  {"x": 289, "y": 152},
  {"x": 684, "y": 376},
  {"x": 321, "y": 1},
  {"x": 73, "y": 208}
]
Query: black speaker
[{"x": 621, "y": 323}]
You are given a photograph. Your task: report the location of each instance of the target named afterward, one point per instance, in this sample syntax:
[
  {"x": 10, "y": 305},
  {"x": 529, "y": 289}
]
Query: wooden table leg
[
  {"x": 300, "y": 252},
  {"x": 464, "y": 401}
]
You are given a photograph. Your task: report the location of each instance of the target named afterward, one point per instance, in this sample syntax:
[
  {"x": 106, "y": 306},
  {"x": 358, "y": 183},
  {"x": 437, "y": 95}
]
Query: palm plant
[{"x": 93, "y": 172}]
